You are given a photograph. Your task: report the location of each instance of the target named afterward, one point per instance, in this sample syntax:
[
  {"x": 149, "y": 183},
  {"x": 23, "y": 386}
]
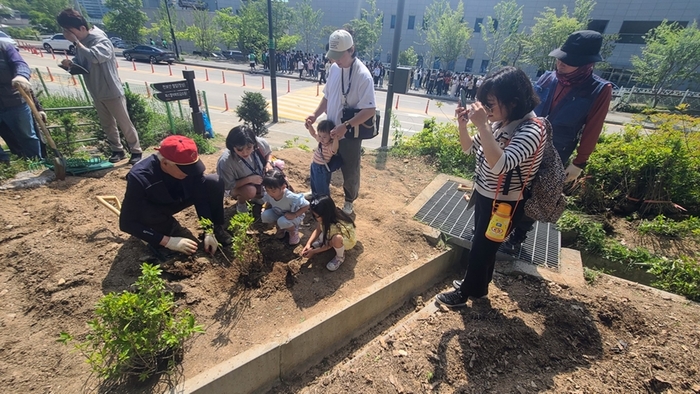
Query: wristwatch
[{"x": 348, "y": 126}]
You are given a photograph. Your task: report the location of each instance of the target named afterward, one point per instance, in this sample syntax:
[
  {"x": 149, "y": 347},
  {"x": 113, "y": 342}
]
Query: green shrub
[
  {"x": 660, "y": 166},
  {"x": 590, "y": 234},
  {"x": 17, "y": 165},
  {"x": 680, "y": 276},
  {"x": 22, "y": 33},
  {"x": 136, "y": 333},
  {"x": 439, "y": 143},
  {"x": 253, "y": 112},
  {"x": 661, "y": 225}
]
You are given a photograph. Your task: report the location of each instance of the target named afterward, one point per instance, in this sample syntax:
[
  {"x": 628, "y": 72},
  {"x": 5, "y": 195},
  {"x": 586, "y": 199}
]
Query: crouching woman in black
[{"x": 507, "y": 140}]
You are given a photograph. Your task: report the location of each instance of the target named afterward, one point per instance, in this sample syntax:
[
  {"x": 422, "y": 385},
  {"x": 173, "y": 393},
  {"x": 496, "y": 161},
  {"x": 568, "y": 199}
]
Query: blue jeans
[
  {"x": 320, "y": 180},
  {"x": 21, "y": 125},
  {"x": 269, "y": 216}
]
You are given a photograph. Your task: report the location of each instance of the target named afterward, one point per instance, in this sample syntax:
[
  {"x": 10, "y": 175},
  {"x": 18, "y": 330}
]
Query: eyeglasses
[
  {"x": 242, "y": 148},
  {"x": 487, "y": 107}
]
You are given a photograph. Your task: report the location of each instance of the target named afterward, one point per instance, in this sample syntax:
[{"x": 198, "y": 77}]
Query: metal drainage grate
[{"x": 447, "y": 211}]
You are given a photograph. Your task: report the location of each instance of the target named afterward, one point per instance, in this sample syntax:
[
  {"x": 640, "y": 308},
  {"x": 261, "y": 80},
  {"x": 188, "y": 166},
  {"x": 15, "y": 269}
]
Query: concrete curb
[{"x": 260, "y": 368}]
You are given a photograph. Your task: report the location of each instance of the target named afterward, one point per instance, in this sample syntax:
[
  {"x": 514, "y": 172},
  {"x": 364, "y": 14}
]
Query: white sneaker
[{"x": 347, "y": 208}]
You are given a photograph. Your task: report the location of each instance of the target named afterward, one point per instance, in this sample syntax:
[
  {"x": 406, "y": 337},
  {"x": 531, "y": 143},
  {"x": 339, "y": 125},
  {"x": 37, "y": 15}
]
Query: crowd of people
[{"x": 512, "y": 117}]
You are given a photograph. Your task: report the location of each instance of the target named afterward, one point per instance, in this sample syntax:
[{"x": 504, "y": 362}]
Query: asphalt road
[{"x": 224, "y": 88}]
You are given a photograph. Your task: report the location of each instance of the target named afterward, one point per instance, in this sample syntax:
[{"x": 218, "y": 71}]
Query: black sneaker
[
  {"x": 117, "y": 157},
  {"x": 135, "y": 158},
  {"x": 222, "y": 235},
  {"x": 457, "y": 284},
  {"x": 452, "y": 299}
]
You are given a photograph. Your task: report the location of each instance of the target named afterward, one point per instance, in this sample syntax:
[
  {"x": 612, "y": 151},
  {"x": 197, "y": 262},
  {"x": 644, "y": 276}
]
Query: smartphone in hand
[{"x": 463, "y": 98}]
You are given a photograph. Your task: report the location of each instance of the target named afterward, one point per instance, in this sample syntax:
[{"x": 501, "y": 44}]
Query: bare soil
[
  {"x": 529, "y": 336},
  {"x": 60, "y": 251}
]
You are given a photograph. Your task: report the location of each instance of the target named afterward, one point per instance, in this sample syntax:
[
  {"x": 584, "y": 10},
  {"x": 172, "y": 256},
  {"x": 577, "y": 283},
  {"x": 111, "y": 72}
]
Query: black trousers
[
  {"x": 482, "y": 256},
  {"x": 211, "y": 189}
]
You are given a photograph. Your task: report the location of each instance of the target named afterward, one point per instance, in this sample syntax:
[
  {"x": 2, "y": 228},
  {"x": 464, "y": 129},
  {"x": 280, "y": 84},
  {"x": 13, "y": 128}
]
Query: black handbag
[{"x": 365, "y": 131}]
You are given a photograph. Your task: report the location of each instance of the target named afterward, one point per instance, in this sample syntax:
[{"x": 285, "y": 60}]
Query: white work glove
[
  {"x": 182, "y": 245},
  {"x": 210, "y": 243},
  {"x": 572, "y": 173},
  {"x": 22, "y": 82},
  {"x": 42, "y": 114}
]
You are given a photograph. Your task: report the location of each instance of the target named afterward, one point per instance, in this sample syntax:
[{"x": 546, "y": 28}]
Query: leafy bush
[
  {"x": 439, "y": 143},
  {"x": 253, "y": 112},
  {"x": 22, "y": 33},
  {"x": 661, "y": 225},
  {"x": 680, "y": 276},
  {"x": 17, "y": 165},
  {"x": 649, "y": 171},
  {"x": 136, "y": 333},
  {"x": 590, "y": 234}
]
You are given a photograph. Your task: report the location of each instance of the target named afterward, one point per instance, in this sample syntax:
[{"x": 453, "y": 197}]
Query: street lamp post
[
  {"x": 172, "y": 32},
  {"x": 271, "y": 58}
]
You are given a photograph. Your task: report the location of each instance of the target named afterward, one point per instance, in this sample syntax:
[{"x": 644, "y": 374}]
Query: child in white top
[
  {"x": 286, "y": 208},
  {"x": 327, "y": 147}
]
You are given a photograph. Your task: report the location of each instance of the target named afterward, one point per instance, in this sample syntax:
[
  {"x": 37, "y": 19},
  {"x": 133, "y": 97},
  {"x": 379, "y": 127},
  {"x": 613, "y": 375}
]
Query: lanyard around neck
[
  {"x": 257, "y": 170},
  {"x": 342, "y": 80}
]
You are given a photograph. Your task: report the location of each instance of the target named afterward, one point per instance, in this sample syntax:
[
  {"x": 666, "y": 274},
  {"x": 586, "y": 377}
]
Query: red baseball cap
[{"x": 183, "y": 152}]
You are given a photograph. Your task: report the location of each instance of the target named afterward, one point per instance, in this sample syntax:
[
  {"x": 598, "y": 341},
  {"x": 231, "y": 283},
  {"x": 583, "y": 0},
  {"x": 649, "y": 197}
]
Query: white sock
[{"x": 340, "y": 253}]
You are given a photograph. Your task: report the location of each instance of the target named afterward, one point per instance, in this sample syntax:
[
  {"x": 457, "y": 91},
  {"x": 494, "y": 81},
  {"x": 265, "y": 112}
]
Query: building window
[
  {"x": 632, "y": 32},
  {"x": 393, "y": 21},
  {"x": 484, "y": 66},
  {"x": 598, "y": 25},
  {"x": 411, "y": 21},
  {"x": 469, "y": 65},
  {"x": 477, "y": 25}
]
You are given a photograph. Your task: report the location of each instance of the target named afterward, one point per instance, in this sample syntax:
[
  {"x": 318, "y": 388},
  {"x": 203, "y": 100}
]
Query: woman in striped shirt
[{"x": 507, "y": 141}]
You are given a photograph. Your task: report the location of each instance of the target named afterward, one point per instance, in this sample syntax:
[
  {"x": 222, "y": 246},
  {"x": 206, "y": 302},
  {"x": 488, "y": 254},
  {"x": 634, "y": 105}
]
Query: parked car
[
  {"x": 58, "y": 43},
  {"x": 149, "y": 53},
  {"x": 115, "y": 40},
  {"x": 5, "y": 38},
  {"x": 234, "y": 55}
]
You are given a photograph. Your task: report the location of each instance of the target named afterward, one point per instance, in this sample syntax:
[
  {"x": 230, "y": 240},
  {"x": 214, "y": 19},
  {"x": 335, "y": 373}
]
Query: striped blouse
[
  {"x": 519, "y": 140},
  {"x": 324, "y": 154}
]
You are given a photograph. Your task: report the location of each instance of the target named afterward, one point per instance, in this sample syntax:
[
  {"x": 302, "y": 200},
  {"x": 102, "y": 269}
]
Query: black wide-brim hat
[{"x": 581, "y": 47}]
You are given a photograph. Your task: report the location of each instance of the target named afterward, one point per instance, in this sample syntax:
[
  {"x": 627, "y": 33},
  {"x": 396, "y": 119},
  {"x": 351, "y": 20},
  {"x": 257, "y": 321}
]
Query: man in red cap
[{"x": 166, "y": 183}]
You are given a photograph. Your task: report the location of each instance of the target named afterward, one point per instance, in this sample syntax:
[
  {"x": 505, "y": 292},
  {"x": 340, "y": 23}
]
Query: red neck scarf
[{"x": 577, "y": 76}]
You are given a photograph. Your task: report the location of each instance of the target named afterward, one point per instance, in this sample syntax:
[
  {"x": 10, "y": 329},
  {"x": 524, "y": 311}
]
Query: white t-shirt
[{"x": 360, "y": 96}]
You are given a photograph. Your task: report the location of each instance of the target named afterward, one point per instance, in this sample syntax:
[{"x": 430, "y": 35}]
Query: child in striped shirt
[{"x": 327, "y": 147}]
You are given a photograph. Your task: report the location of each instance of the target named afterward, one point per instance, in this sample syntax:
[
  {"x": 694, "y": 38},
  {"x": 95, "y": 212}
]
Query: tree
[
  {"x": 126, "y": 19},
  {"x": 326, "y": 32},
  {"x": 161, "y": 26},
  {"x": 671, "y": 56},
  {"x": 203, "y": 32},
  {"x": 500, "y": 32},
  {"x": 446, "y": 32},
  {"x": 550, "y": 32},
  {"x": 42, "y": 13},
  {"x": 248, "y": 28},
  {"x": 367, "y": 30},
  {"x": 409, "y": 57},
  {"x": 607, "y": 49},
  {"x": 307, "y": 23}
]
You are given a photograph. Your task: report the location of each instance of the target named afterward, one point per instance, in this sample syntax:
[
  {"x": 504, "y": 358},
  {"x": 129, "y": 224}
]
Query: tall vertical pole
[
  {"x": 271, "y": 58},
  {"x": 392, "y": 72},
  {"x": 172, "y": 32}
]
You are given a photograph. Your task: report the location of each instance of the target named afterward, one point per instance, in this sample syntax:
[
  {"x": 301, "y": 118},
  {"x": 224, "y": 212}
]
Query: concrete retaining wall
[{"x": 260, "y": 368}]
